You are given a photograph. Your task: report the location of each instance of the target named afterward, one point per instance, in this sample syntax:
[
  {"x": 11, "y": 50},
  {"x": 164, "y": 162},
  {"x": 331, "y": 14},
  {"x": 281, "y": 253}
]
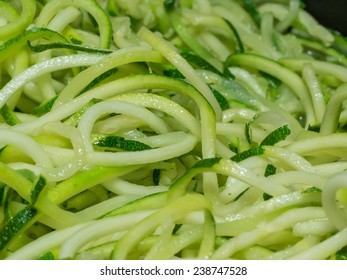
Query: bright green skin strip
[
  {"x": 15, "y": 227},
  {"x": 117, "y": 143},
  {"x": 74, "y": 119},
  {"x": 276, "y": 136},
  {"x": 174, "y": 210},
  {"x": 97, "y": 211},
  {"x": 120, "y": 57},
  {"x": 282, "y": 73},
  {"x": 178, "y": 188},
  {"x": 19, "y": 24},
  {"x": 57, "y": 45},
  {"x": 91, "y": 6},
  {"x": 19, "y": 183},
  {"x": 14, "y": 44},
  {"x": 84, "y": 180},
  {"x": 40, "y": 184},
  {"x": 153, "y": 201},
  {"x": 9, "y": 116}
]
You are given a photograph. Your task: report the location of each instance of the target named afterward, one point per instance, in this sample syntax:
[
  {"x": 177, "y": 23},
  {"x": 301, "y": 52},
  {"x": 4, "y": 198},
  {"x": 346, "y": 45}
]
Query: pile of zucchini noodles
[{"x": 167, "y": 129}]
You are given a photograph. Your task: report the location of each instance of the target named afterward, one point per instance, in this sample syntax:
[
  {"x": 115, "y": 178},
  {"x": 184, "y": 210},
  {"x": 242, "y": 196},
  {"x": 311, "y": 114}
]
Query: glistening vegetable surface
[{"x": 187, "y": 129}]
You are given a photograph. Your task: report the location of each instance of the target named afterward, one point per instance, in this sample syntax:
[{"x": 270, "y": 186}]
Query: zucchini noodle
[
  {"x": 21, "y": 21},
  {"x": 171, "y": 130}
]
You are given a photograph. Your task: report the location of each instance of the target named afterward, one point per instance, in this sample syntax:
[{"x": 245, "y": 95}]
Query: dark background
[{"x": 330, "y": 13}]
